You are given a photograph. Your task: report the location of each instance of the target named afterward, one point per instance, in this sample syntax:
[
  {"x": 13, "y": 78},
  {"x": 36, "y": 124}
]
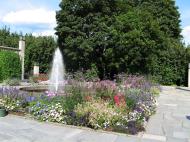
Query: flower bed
[{"x": 124, "y": 106}]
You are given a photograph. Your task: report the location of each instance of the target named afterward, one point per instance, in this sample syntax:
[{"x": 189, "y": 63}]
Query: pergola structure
[{"x": 21, "y": 52}]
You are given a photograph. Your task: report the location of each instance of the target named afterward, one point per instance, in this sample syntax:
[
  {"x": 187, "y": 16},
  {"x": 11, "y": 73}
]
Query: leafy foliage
[
  {"x": 135, "y": 37},
  {"x": 12, "y": 82},
  {"x": 7, "y": 38},
  {"x": 10, "y": 66},
  {"x": 38, "y": 49}
]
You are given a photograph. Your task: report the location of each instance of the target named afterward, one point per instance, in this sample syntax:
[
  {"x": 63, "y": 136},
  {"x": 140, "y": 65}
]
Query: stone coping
[{"x": 183, "y": 88}]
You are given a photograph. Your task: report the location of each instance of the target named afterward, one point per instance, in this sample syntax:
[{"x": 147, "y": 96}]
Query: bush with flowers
[
  {"x": 52, "y": 112},
  {"x": 100, "y": 113},
  {"x": 14, "y": 100},
  {"x": 122, "y": 106}
]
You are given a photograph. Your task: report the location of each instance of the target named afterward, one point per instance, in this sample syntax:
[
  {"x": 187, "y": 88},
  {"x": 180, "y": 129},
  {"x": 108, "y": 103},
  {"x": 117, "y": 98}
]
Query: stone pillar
[
  {"x": 22, "y": 54},
  {"x": 36, "y": 70},
  {"x": 189, "y": 75}
]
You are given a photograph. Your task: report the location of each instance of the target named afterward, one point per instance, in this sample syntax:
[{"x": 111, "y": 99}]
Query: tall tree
[
  {"x": 7, "y": 38},
  {"x": 164, "y": 11},
  {"x": 84, "y": 31},
  {"x": 122, "y": 36}
]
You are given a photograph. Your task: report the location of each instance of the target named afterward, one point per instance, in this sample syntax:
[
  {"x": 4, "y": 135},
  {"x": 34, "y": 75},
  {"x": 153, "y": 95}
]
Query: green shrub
[
  {"x": 12, "y": 82},
  {"x": 10, "y": 66},
  {"x": 73, "y": 97},
  {"x": 92, "y": 74}
]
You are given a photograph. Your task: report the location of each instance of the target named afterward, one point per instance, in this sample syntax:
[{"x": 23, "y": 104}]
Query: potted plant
[{"x": 3, "y": 111}]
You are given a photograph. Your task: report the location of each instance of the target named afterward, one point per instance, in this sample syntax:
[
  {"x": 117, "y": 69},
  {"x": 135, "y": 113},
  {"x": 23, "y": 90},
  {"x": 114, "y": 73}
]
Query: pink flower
[{"x": 50, "y": 94}]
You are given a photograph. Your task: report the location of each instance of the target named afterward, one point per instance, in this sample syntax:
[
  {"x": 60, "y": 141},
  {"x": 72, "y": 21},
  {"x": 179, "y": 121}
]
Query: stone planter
[{"x": 3, "y": 112}]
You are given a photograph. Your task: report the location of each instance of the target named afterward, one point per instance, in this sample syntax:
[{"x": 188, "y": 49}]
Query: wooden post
[{"x": 22, "y": 54}]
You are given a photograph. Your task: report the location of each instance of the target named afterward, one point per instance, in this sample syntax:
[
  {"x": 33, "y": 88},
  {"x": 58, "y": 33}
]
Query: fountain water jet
[{"x": 57, "y": 72}]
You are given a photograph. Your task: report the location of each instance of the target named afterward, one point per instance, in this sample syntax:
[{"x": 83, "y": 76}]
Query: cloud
[
  {"x": 32, "y": 16},
  {"x": 38, "y": 21},
  {"x": 186, "y": 34}
]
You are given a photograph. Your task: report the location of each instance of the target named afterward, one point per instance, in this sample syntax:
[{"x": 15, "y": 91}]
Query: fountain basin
[
  {"x": 34, "y": 88},
  {"x": 40, "y": 89}
]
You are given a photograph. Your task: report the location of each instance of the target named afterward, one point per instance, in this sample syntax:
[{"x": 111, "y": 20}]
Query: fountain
[
  {"x": 56, "y": 83},
  {"x": 57, "y": 73}
]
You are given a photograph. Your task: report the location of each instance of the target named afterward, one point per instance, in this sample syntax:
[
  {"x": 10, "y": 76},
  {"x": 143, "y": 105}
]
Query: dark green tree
[
  {"x": 84, "y": 31},
  {"x": 39, "y": 50},
  {"x": 122, "y": 36},
  {"x": 164, "y": 11},
  {"x": 7, "y": 38}
]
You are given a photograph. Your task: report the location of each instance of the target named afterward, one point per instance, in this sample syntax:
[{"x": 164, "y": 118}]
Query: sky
[
  {"x": 184, "y": 9},
  {"x": 29, "y": 16},
  {"x": 38, "y": 16}
]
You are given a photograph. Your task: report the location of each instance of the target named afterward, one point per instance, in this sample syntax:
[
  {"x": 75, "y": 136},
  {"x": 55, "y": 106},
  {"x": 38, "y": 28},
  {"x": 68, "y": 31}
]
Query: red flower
[
  {"x": 116, "y": 100},
  {"x": 119, "y": 99}
]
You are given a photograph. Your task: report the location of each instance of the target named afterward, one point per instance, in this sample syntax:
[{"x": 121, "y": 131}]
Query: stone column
[
  {"x": 22, "y": 54},
  {"x": 36, "y": 70},
  {"x": 189, "y": 75}
]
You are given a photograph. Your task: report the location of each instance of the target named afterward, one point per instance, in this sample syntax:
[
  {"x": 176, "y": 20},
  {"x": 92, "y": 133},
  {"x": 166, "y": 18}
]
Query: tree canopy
[{"x": 122, "y": 36}]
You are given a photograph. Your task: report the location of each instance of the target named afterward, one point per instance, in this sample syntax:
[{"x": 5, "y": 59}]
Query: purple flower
[
  {"x": 30, "y": 98},
  {"x": 38, "y": 104}
]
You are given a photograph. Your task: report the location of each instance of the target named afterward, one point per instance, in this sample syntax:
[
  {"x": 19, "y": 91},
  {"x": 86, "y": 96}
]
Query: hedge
[{"x": 10, "y": 65}]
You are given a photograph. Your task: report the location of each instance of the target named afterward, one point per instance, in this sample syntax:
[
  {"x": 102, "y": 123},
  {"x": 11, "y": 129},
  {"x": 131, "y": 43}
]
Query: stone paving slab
[
  {"x": 127, "y": 139},
  {"x": 176, "y": 140},
  {"x": 153, "y": 127},
  {"x": 171, "y": 120},
  {"x": 93, "y": 137},
  {"x": 154, "y": 137},
  {"x": 18, "y": 129}
]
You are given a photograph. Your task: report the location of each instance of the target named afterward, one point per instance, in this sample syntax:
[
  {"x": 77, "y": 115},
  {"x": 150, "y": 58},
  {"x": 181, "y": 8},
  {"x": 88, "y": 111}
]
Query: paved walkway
[{"x": 169, "y": 124}]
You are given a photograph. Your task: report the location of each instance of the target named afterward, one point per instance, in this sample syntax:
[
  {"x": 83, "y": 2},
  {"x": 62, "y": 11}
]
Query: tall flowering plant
[{"x": 105, "y": 89}]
